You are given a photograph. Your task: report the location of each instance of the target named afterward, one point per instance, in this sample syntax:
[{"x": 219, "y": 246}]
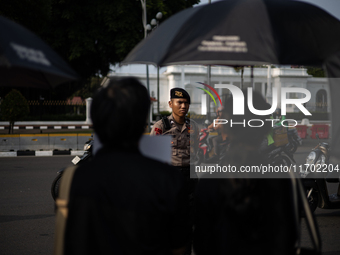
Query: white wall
[{"x": 171, "y": 77}]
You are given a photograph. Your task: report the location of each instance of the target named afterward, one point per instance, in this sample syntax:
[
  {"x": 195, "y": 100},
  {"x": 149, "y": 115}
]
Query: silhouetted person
[
  {"x": 237, "y": 213},
  {"x": 122, "y": 202}
]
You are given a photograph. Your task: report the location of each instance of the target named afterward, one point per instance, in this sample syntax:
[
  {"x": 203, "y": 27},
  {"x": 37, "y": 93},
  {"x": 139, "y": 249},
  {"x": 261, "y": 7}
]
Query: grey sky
[{"x": 331, "y": 6}]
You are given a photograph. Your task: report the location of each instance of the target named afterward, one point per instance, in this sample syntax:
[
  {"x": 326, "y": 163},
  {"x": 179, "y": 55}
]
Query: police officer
[
  {"x": 183, "y": 130},
  {"x": 184, "y": 134}
]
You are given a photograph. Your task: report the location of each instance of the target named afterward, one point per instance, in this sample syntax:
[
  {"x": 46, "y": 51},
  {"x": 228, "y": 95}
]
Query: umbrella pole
[
  {"x": 252, "y": 77},
  {"x": 148, "y": 87},
  {"x": 158, "y": 89},
  {"x": 242, "y": 70},
  {"x": 269, "y": 85},
  {"x": 209, "y": 80},
  {"x": 208, "y": 98}
]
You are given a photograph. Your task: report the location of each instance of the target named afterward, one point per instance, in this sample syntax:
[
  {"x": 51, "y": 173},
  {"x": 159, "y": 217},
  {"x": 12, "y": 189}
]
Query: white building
[{"x": 188, "y": 76}]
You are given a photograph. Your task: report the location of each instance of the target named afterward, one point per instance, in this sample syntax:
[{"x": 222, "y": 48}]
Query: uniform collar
[{"x": 185, "y": 125}]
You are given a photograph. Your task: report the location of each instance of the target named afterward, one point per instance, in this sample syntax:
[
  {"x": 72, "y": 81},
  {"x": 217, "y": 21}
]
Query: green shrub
[
  {"x": 14, "y": 107},
  {"x": 163, "y": 113}
]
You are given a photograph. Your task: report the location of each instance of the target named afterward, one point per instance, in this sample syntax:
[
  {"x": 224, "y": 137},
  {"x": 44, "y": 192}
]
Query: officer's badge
[{"x": 178, "y": 93}]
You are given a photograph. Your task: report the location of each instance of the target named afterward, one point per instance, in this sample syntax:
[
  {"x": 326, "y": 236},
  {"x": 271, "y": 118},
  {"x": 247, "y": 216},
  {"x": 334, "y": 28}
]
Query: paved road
[
  {"x": 328, "y": 220},
  {"x": 26, "y": 206},
  {"x": 27, "y": 209}
]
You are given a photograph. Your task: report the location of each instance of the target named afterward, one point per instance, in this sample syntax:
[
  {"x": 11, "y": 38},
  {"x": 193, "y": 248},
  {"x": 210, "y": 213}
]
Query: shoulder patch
[{"x": 158, "y": 131}]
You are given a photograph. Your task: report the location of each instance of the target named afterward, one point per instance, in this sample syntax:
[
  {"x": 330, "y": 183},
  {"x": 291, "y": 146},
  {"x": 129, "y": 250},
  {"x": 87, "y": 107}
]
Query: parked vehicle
[
  {"x": 317, "y": 173},
  {"x": 275, "y": 155},
  {"x": 204, "y": 146},
  {"x": 206, "y": 153},
  {"x": 280, "y": 156},
  {"x": 76, "y": 161},
  {"x": 294, "y": 140}
]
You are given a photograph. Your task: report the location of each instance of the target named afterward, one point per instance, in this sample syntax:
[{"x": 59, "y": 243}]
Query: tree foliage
[
  {"x": 34, "y": 15},
  {"x": 88, "y": 34},
  {"x": 94, "y": 34},
  {"x": 89, "y": 88},
  {"x": 14, "y": 107},
  {"x": 315, "y": 71}
]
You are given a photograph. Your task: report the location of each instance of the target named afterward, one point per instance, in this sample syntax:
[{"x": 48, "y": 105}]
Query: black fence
[{"x": 54, "y": 110}]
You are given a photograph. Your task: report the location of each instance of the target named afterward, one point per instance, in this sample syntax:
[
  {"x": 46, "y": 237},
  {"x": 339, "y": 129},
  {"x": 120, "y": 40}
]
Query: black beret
[{"x": 179, "y": 93}]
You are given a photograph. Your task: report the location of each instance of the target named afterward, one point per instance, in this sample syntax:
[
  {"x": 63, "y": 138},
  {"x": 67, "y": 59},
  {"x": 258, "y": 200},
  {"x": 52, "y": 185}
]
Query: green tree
[
  {"x": 14, "y": 107},
  {"x": 89, "y": 89},
  {"x": 237, "y": 69},
  {"x": 89, "y": 35},
  {"x": 33, "y": 15},
  {"x": 94, "y": 34},
  {"x": 315, "y": 71}
]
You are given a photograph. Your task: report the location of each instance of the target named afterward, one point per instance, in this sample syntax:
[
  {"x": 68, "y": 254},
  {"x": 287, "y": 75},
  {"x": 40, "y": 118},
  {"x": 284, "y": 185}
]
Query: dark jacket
[
  {"x": 244, "y": 215},
  {"x": 125, "y": 203}
]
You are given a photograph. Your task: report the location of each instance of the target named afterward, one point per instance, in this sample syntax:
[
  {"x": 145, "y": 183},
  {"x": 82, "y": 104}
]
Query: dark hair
[
  {"x": 119, "y": 113},
  {"x": 246, "y": 135}
]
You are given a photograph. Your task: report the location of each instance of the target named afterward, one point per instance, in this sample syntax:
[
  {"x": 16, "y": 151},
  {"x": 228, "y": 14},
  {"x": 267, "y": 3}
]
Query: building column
[
  {"x": 263, "y": 89},
  {"x": 88, "y": 109},
  {"x": 182, "y": 77}
]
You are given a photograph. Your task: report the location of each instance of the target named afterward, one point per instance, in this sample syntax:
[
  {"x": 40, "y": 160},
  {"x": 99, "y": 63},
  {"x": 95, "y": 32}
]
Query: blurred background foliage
[
  {"x": 14, "y": 107},
  {"x": 89, "y": 35}
]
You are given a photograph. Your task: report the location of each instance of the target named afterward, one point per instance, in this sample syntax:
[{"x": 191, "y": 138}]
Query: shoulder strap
[
  {"x": 62, "y": 209},
  {"x": 166, "y": 123}
]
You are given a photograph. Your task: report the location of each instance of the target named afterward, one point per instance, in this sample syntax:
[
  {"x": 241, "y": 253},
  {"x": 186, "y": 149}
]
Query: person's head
[
  {"x": 179, "y": 102},
  {"x": 119, "y": 112},
  {"x": 245, "y": 133}
]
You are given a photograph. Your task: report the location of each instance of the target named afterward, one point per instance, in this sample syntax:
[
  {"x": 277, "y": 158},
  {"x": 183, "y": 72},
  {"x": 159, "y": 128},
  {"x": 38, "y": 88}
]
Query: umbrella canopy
[
  {"x": 26, "y": 61},
  {"x": 242, "y": 32},
  {"x": 249, "y": 32}
]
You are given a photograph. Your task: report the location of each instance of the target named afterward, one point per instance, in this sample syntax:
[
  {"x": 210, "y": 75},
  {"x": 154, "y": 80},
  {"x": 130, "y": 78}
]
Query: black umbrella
[
  {"x": 26, "y": 61},
  {"x": 248, "y": 32},
  {"x": 242, "y": 32}
]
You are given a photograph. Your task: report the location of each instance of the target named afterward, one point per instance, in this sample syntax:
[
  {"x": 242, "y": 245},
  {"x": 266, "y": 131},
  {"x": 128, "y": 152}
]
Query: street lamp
[
  {"x": 159, "y": 15},
  {"x": 155, "y": 23},
  {"x": 147, "y": 27}
]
